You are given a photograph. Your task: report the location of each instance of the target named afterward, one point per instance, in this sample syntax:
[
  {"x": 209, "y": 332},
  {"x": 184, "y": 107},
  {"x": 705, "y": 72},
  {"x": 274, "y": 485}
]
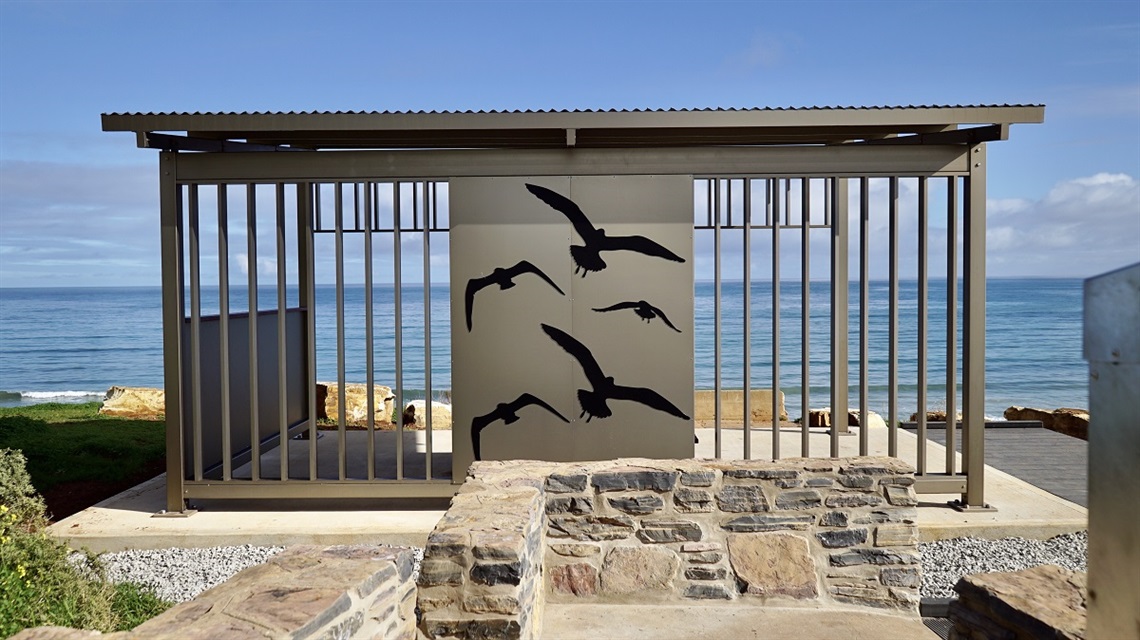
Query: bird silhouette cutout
[
  {"x": 505, "y": 279},
  {"x": 595, "y": 403},
  {"x": 588, "y": 257},
  {"x": 645, "y": 310},
  {"x": 508, "y": 413}
]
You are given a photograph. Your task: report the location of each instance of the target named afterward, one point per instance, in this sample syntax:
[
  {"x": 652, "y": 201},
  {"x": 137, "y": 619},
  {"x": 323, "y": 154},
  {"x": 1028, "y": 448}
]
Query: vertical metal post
[
  {"x": 805, "y": 318},
  {"x": 342, "y": 396},
  {"x": 172, "y": 314},
  {"x": 923, "y": 198},
  {"x": 974, "y": 338},
  {"x": 282, "y": 361},
  {"x": 307, "y": 298},
  {"x": 399, "y": 351},
  {"x": 839, "y": 308},
  {"x": 864, "y": 303},
  {"x": 224, "y": 328},
  {"x": 774, "y": 199},
  {"x": 893, "y": 363},
  {"x": 427, "y": 208},
  {"x": 951, "y": 322},
  {"x": 747, "y": 193},
  {"x": 714, "y": 186},
  {"x": 369, "y": 355},
  {"x": 251, "y": 273},
  {"x": 195, "y": 334}
]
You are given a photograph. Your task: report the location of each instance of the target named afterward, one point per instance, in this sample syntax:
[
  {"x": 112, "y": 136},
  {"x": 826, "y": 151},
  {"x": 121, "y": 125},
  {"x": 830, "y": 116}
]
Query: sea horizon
[{"x": 74, "y": 343}]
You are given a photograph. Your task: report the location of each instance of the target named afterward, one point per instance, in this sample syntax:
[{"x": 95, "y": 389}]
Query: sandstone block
[
  {"x": 436, "y": 572},
  {"x": 773, "y": 564},
  {"x": 1046, "y": 601},
  {"x": 498, "y": 545},
  {"x": 637, "y": 569},
  {"x": 491, "y": 603},
  {"x": 659, "y": 531},
  {"x": 415, "y": 415},
  {"x": 140, "y": 403},
  {"x": 901, "y": 496},
  {"x": 896, "y": 535},
  {"x": 732, "y": 405},
  {"x": 355, "y": 403},
  {"x": 579, "y": 579},
  {"x": 576, "y": 550},
  {"x": 905, "y": 577}
]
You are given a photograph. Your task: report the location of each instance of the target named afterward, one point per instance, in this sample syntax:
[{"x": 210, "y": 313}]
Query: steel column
[
  {"x": 974, "y": 334},
  {"x": 170, "y": 202},
  {"x": 839, "y": 308}
]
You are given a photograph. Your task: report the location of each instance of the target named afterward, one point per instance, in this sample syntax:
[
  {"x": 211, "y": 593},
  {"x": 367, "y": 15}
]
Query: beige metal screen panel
[{"x": 531, "y": 343}]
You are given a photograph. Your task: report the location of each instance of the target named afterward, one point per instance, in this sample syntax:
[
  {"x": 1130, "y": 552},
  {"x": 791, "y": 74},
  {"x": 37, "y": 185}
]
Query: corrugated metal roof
[{"x": 601, "y": 128}]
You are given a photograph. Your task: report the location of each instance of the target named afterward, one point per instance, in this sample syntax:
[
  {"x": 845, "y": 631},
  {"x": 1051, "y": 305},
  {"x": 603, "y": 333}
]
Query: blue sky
[{"x": 78, "y": 207}]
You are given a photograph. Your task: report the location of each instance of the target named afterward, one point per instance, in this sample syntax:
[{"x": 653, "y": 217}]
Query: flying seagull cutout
[
  {"x": 505, "y": 279},
  {"x": 508, "y": 413},
  {"x": 645, "y": 310},
  {"x": 588, "y": 258},
  {"x": 594, "y": 403}
]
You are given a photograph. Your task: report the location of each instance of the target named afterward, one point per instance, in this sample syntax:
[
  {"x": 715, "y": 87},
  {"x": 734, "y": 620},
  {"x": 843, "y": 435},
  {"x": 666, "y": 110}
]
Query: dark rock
[
  {"x": 705, "y": 557},
  {"x": 706, "y": 573},
  {"x": 833, "y": 519},
  {"x": 857, "y": 482},
  {"x": 436, "y": 572},
  {"x": 698, "y": 478},
  {"x": 592, "y": 527},
  {"x": 497, "y": 573},
  {"x": 798, "y": 500},
  {"x": 819, "y": 482},
  {"x": 853, "y": 500},
  {"x": 634, "y": 480},
  {"x": 762, "y": 474},
  {"x": 741, "y": 499},
  {"x": 906, "y": 577},
  {"x": 871, "y": 556},
  {"x": 638, "y": 505},
  {"x": 707, "y": 592},
  {"x": 569, "y": 504},
  {"x": 658, "y": 531},
  {"x": 756, "y": 523},
  {"x": 842, "y": 538},
  {"x": 692, "y": 500},
  {"x": 560, "y": 483}
]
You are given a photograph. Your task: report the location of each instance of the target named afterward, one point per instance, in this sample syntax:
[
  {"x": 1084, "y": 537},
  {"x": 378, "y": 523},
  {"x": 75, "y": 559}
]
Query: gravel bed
[
  {"x": 944, "y": 562},
  {"x": 181, "y": 574}
]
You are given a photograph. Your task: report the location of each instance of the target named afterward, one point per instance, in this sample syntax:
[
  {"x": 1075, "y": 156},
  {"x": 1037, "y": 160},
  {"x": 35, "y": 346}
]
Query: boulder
[
  {"x": 1045, "y": 601},
  {"x": 1029, "y": 413},
  {"x": 134, "y": 402},
  {"x": 1071, "y": 422},
  {"x": 415, "y": 414},
  {"x": 938, "y": 415},
  {"x": 822, "y": 418},
  {"x": 355, "y": 403}
]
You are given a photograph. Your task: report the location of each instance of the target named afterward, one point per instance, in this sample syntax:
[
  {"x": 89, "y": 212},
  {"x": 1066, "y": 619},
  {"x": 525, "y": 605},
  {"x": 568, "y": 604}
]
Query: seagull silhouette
[
  {"x": 594, "y": 403},
  {"x": 508, "y": 413},
  {"x": 644, "y": 309},
  {"x": 505, "y": 279},
  {"x": 588, "y": 258}
]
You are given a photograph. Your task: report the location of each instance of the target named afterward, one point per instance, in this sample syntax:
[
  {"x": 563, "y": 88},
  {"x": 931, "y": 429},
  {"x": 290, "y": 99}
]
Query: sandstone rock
[
  {"x": 1071, "y": 422},
  {"x": 577, "y": 579},
  {"x": 355, "y": 403},
  {"x": 141, "y": 403},
  {"x": 1042, "y": 602},
  {"x": 637, "y": 569},
  {"x": 938, "y": 415},
  {"x": 415, "y": 414},
  {"x": 1029, "y": 413},
  {"x": 773, "y": 564},
  {"x": 822, "y": 418},
  {"x": 732, "y": 406}
]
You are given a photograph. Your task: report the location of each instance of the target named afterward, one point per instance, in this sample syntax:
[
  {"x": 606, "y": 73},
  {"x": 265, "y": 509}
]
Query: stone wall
[
  {"x": 357, "y": 591},
  {"x": 814, "y": 532}
]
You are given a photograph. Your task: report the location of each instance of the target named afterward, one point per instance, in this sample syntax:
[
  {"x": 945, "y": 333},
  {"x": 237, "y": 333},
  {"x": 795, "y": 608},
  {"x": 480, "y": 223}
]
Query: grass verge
[{"x": 77, "y": 457}]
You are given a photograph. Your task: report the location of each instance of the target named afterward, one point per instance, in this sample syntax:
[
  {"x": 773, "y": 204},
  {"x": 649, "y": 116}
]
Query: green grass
[{"x": 73, "y": 443}]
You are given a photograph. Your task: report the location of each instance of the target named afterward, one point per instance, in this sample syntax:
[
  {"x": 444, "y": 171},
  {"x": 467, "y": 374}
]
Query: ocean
[{"x": 72, "y": 344}]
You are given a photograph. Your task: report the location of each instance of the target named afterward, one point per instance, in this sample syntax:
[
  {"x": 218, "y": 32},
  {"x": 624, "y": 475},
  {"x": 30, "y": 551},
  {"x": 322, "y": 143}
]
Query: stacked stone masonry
[
  {"x": 356, "y": 591},
  {"x": 835, "y": 532}
]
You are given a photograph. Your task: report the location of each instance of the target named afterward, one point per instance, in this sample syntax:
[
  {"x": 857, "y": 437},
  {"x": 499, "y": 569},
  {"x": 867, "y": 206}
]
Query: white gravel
[
  {"x": 944, "y": 562},
  {"x": 181, "y": 574}
]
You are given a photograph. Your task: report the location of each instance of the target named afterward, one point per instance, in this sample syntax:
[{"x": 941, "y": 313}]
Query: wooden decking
[{"x": 1052, "y": 461}]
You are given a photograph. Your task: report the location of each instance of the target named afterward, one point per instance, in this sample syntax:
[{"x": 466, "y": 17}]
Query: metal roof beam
[
  {"x": 167, "y": 142},
  {"x": 973, "y": 135}
]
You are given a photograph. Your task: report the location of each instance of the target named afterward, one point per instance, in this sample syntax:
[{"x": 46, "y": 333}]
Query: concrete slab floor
[
  {"x": 690, "y": 622},
  {"x": 125, "y": 521}
]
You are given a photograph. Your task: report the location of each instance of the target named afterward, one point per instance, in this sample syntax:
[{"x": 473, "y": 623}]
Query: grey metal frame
[{"x": 832, "y": 146}]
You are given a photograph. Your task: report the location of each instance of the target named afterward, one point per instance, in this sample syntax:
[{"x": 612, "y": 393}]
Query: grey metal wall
[{"x": 541, "y": 338}]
